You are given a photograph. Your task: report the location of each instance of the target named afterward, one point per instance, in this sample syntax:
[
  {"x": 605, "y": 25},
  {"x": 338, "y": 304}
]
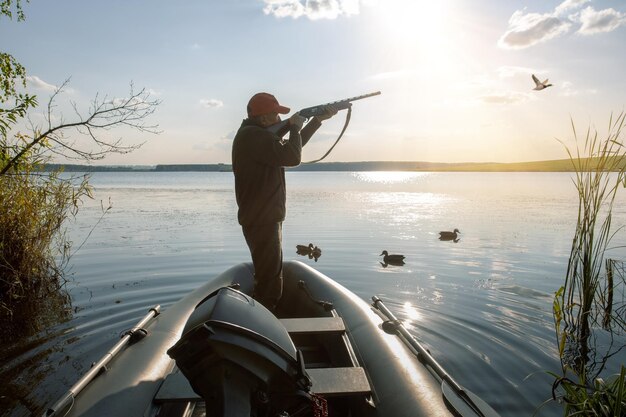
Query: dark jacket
[{"x": 259, "y": 157}]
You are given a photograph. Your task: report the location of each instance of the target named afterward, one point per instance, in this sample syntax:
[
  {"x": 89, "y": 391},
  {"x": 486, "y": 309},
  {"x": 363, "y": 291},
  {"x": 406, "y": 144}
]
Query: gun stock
[{"x": 281, "y": 128}]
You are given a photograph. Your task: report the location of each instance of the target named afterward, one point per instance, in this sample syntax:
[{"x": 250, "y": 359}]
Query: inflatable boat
[{"x": 217, "y": 352}]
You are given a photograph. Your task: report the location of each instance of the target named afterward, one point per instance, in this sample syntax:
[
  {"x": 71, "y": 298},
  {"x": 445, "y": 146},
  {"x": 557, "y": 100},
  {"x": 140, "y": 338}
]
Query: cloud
[
  {"x": 229, "y": 136},
  {"x": 40, "y": 84},
  {"x": 567, "y": 89},
  {"x": 568, "y": 5},
  {"x": 211, "y": 103},
  {"x": 505, "y": 98},
  {"x": 280, "y": 8},
  {"x": 312, "y": 9},
  {"x": 201, "y": 146},
  {"x": 599, "y": 21},
  {"x": 527, "y": 29},
  {"x": 222, "y": 144},
  {"x": 127, "y": 102},
  {"x": 513, "y": 71}
]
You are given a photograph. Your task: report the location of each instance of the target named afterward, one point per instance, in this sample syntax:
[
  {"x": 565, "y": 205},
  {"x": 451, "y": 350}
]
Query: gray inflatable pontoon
[{"x": 217, "y": 352}]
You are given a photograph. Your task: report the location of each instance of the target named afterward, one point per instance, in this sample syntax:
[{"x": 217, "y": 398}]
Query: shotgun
[{"x": 282, "y": 127}]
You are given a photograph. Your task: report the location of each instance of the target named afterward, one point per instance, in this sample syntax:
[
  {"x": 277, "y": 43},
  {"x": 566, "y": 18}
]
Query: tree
[
  {"x": 12, "y": 73},
  {"x": 34, "y": 205},
  {"x": 103, "y": 115}
]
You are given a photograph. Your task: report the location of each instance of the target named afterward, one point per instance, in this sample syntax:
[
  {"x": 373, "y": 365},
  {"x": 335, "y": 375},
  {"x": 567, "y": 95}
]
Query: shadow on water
[
  {"x": 393, "y": 263},
  {"x": 30, "y": 337}
]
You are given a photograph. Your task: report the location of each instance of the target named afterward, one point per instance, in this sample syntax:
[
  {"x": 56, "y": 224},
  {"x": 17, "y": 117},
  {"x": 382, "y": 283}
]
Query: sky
[{"x": 455, "y": 75}]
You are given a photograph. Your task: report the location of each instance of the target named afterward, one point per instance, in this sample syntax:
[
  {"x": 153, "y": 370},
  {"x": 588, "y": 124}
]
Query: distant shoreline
[{"x": 560, "y": 165}]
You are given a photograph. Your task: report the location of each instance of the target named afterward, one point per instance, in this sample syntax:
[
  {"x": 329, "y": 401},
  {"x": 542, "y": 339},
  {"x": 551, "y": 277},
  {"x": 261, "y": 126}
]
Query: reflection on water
[
  {"x": 411, "y": 313},
  {"x": 30, "y": 316},
  {"x": 389, "y": 177},
  {"x": 35, "y": 336},
  {"x": 481, "y": 306}
]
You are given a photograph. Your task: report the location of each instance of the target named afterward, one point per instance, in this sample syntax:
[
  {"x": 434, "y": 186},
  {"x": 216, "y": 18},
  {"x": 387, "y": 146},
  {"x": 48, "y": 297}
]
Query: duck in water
[
  {"x": 393, "y": 259},
  {"x": 313, "y": 252},
  {"x": 449, "y": 235},
  {"x": 303, "y": 249}
]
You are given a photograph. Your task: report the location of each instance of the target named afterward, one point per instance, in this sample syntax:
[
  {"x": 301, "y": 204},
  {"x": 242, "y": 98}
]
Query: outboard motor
[{"x": 240, "y": 358}]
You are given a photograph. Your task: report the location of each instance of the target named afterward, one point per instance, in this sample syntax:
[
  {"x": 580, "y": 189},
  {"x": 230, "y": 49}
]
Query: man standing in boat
[{"x": 258, "y": 159}]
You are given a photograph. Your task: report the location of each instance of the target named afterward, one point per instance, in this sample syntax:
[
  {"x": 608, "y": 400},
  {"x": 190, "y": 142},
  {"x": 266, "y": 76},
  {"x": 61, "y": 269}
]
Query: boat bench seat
[
  {"x": 314, "y": 325},
  {"x": 339, "y": 381},
  {"x": 326, "y": 381}
]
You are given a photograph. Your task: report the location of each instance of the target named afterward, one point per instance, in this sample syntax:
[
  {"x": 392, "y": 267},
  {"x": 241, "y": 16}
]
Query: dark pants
[{"x": 265, "y": 242}]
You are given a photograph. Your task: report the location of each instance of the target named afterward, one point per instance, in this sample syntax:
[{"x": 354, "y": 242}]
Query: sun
[
  {"x": 416, "y": 31},
  {"x": 413, "y": 20}
]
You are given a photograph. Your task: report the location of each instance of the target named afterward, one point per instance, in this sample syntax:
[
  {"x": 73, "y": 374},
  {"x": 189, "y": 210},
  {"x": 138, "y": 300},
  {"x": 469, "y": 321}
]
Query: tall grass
[
  {"x": 33, "y": 246},
  {"x": 602, "y": 398},
  {"x": 583, "y": 305}
]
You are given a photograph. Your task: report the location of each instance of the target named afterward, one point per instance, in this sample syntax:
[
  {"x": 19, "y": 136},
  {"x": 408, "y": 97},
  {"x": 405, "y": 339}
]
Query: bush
[
  {"x": 33, "y": 205},
  {"x": 33, "y": 244}
]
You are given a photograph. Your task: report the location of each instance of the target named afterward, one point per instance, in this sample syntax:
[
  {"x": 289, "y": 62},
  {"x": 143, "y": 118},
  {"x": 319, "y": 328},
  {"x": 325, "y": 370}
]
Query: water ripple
[{"x": 482, "y": 306}]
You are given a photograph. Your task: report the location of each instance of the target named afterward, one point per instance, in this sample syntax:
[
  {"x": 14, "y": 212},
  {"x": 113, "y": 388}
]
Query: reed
[
  {"x": 583, "y": 306},
  {"x": 34, "y": 248},
  {"x": 602, "y": 398}
]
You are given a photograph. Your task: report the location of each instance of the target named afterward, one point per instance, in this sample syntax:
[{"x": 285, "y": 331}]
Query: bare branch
[{"x": 104, "y": 114}]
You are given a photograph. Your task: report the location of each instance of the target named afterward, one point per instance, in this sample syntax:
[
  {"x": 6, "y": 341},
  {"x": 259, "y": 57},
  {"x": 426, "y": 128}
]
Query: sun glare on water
[
  {"x": 390, "y": 177},
  {"x": 411, "y": 312}
]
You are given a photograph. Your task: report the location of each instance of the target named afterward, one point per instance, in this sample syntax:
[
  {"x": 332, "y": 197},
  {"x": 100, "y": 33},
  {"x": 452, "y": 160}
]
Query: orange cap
[{"x": 264, "y": 103}]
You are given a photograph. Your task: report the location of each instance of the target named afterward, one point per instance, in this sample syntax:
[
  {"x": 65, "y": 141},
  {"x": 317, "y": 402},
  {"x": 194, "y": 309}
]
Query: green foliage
[
  {"x": 583, "y": 308},
  {"x": 598, "y": 177},
  {"x": 11, "y": 72},
  {"x": 34, "y": 205},
  {"x": 8, "y": 7},
  {"x": 601, "y": 399},
  {"x": 12, "y": 75},
  {"x": 33, "y": 245},
  {"x": 33, "y": 208}
]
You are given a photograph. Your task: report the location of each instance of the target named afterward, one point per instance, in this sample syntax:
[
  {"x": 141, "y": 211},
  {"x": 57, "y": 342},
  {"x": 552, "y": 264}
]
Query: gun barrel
[
  {"x": 281, "y": 128},
  {"x": 376, "y": 93},
  {"x": 339, "y": 105}
]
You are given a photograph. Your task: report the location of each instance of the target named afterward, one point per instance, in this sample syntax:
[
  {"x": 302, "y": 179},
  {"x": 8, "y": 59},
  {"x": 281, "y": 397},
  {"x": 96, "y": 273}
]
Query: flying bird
[{"x": 540, "y": 85}]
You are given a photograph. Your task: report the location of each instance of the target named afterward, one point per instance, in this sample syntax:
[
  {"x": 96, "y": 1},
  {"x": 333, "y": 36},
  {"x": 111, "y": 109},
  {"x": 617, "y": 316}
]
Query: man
[{"x": 259, "y": 157}]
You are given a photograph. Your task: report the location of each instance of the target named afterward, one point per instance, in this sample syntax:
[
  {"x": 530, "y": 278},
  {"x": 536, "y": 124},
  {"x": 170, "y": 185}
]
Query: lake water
[{"x": 481, "y": 305}]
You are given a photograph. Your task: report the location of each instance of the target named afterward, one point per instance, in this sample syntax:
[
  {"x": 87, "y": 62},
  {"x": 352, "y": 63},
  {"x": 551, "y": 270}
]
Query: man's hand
[
  {"x": 297, "y": 120},
  {"x": 329, "y": 111}
]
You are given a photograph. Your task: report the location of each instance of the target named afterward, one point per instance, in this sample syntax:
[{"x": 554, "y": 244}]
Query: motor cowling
[{"x": 240, "y": 358}]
